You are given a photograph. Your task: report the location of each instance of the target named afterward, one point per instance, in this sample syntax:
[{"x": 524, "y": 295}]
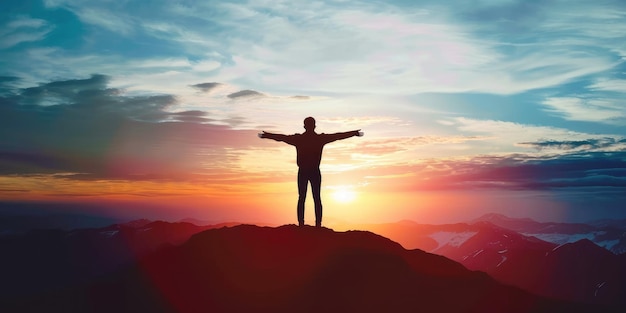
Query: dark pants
[{"x": 306, "y": 175}]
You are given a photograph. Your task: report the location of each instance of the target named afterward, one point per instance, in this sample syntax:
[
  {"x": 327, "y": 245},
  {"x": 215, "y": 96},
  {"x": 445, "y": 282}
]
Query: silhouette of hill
[
  {"x": 590, "y": 272},
  {"x": 291, "y": 269},
  {"x": 41, "y": 260}
]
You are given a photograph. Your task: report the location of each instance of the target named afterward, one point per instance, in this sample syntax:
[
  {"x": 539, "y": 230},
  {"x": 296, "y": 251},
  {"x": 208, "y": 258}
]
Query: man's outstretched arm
[
  {"x": 277, "y": 137},
  {"x": 344, "y": 135}
]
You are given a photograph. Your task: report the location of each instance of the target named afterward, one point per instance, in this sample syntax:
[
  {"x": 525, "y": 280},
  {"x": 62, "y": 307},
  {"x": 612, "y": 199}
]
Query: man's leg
[
  {"x": 316, "y": 185},
  {"x": 302, "y": 187}
]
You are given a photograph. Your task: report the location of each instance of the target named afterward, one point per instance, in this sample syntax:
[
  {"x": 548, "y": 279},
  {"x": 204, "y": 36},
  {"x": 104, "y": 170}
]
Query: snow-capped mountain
[
  {"x": 566, "y": 261},
  {"x": 610, "y": 235}
]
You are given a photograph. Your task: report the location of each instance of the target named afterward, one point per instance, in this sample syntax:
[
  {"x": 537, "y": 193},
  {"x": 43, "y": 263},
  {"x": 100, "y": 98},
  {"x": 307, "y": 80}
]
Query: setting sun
[{"x": 344, "y": 195}]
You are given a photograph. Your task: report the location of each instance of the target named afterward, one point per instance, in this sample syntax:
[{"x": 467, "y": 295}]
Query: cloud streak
[
  {"x": 206, "y": 87},
  {"x": 574, "y": 172},
  {"x": 603, "y": 110},
  {"x": 589, "y": 144},
  {"x": 23, "y": 29},
  {"x": 245, "y": 94}
]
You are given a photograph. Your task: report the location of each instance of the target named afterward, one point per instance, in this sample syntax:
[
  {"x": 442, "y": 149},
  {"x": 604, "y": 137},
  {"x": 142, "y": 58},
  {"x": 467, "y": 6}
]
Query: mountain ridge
[
  {"x": 289, "y": 268},
  {"x": 510, "y": 257},
  {"x": 527, "y": 260}
]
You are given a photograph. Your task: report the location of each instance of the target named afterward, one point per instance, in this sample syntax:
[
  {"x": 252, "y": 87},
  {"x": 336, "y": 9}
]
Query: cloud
[
  {"x": 572, "y": 170},
  {"x": 23, "y": 29},
  {"x": 194, "y": 116},
  {"x": 602, "y": 110},
  {"x": 300, "y": 97},
  {"x": 509, "y": 133},
  {"x": 392, "y": 145},
  {"x": 362, "y": 121},
  {"x": 206, "y": 87},
  {"x": 83, "y": 128},
  {"x": 110, "y": 16},
  {"x": 616, "y": 85},
  {"x": 334, "y": 47},
  {"x": 8, "y": 84},
  {"x": 589, "y": 144},
  {"x": 63, "y": 91},
  {"x": 245, "y": 94},
  {"x": 586, "y": 171},
  {"x": 8, "y": 79},
  {"x": 433, "y": 48}
]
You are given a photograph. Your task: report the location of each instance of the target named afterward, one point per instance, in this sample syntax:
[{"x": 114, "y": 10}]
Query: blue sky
[{"x": 460, "y": 90}]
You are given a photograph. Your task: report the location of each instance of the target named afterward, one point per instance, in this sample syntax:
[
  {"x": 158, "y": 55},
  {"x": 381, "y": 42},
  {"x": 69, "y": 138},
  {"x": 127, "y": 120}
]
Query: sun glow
[{"x": 344, "y": 195}]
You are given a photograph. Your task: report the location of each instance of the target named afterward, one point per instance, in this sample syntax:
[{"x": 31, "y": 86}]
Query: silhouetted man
[{"x": 309, "y": 146}]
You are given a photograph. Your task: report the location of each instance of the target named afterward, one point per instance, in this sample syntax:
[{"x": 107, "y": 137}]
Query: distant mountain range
[
  {"x": 578, "y": 262},
  {"x": 135, "y": 265},
  {"x": 610, "y": 234},
  {"x": 249, "y": 268}
]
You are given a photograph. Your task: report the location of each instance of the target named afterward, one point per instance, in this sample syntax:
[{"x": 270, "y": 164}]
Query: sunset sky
[{"x": 152, "y": 108}]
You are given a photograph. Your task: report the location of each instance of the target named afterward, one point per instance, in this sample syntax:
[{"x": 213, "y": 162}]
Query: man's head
[{"x": 309, "y": 123}]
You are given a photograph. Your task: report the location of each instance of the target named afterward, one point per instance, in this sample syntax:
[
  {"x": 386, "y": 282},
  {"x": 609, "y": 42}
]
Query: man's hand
[
  {"x": 262, "y": 134},
  {"x": 359, "y": 133}
]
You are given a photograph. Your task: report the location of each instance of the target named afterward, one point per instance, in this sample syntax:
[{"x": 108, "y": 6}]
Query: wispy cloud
[
  {"x": 510, "y": 132},
  {"x": 110, "y": 16},
  {"x": 607, "y": 144},
  {"x": 23, "y": 29},
  {"x": 574, "y": 171},
  {"x": 603, "y": 110},
  {"x": 617, "y": 85},
  {"x": 431, "y": 49},
  {"x": 392, "y": 145},
  {"x": 363, "y": 121},
  {"x": 335, "y": 47}
]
